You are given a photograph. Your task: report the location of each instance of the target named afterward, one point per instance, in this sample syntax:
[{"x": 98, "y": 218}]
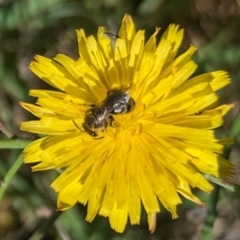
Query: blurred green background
[{"x": 47, "y": 27}]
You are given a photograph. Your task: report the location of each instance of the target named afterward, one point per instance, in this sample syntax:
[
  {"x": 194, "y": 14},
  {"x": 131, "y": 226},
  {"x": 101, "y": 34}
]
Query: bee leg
[
  {"x": 111, "y": 119},
  {"x": 130, "y": 105},
  {"x": 98, "y": 138},
  {"x": 89, "y": 131},
  {"x": 87, "y": 105}
]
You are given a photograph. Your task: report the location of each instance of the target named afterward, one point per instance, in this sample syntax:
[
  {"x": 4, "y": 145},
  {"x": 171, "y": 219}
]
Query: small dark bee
[
  {"x": 119, "y": 101},
  {"x": 98, "y": 117}
]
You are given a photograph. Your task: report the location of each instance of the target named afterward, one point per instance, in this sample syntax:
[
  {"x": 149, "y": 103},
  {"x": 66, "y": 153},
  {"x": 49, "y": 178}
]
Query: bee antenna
[{"x": 77, "y": 125}]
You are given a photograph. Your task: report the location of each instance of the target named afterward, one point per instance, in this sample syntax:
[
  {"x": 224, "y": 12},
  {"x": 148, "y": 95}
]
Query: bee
[
  {"x": 98, "y": 117},
  {"x": 119, "y": 101}
]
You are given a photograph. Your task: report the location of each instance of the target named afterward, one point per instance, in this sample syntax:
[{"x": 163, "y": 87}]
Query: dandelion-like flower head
[{"x": 154, "y": 152}]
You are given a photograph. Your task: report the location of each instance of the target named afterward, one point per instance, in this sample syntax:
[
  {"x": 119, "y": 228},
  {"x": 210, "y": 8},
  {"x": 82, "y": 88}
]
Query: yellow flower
[{"x": 152, "y": 153}]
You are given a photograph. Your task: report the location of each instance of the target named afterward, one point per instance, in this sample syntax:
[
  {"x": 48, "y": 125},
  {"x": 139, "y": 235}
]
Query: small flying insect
[
  {"x": 111, "y": 35},
  {"x": 98, "y": 117}
]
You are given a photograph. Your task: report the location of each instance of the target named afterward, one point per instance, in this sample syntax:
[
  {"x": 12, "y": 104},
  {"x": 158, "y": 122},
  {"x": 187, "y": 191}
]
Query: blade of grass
[
  {"x": 6, "y": 131},
  {"x": 10, "y": 174},
  {"x": 46, "y": 226},
  {"x": 14, "y": 143}
]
